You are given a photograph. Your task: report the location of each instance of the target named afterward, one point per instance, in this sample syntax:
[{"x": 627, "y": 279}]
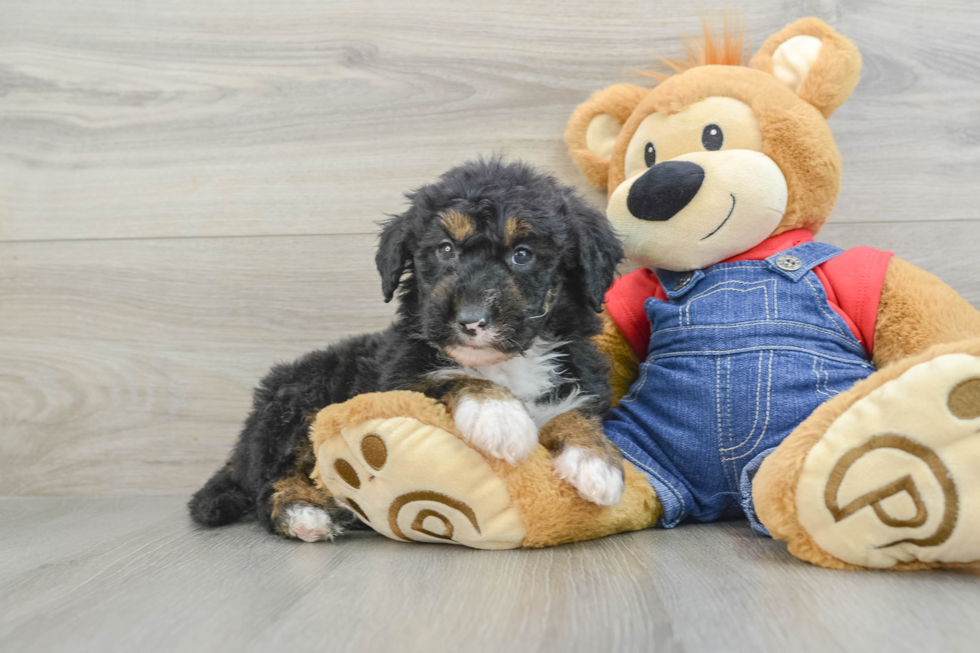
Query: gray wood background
[{"x": 189, "y": 189}]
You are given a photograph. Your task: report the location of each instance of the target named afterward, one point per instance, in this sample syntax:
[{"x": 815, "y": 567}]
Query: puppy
[{"x": 499, "y": 272}]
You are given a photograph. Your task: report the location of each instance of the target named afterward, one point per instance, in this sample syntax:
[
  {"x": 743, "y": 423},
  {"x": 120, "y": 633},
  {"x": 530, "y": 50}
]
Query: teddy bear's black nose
[{"x": 664, "y": 190}]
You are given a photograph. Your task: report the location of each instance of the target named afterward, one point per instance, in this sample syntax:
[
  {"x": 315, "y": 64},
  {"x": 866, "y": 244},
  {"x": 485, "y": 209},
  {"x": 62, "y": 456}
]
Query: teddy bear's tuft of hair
[{"x": 729, "y": 49}]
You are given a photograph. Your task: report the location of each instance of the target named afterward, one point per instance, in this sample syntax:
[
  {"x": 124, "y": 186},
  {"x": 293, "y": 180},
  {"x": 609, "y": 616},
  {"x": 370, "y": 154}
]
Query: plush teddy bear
[{"x": 832, "y": 397}]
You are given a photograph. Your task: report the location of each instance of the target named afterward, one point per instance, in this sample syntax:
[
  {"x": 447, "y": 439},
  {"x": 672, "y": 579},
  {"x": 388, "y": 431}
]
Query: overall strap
[
  {"x": 795, "y": 262},
  {"x": 676, "y": 284}
]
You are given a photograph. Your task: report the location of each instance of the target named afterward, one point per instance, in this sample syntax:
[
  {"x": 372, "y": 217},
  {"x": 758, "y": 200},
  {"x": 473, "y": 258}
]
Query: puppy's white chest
[{"x": 531, "y": 378}]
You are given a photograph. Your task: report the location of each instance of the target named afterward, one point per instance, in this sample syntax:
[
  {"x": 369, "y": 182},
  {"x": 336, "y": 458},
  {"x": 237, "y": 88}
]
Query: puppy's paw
[
  {"x": 309, "y": 523},
  {"x": 595, "y": 479},
  {"x": 500, "y": 428}
]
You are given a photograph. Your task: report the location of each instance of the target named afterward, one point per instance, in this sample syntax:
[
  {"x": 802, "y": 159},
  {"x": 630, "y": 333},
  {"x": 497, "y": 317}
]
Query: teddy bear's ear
[
  {"x": 814, "y": 61},
  {"x": 595, "y": 125}
]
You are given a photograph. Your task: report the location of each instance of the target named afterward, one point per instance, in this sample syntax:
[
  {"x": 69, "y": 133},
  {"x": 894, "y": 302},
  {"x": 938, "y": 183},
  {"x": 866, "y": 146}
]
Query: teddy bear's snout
[{"x": 664, "y": 189}]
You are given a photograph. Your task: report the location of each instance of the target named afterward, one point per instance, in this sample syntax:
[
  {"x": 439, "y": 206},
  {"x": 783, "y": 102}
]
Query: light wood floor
[
  {"x": 139, "y": 577},
  {"x": 188, "y": 193}
]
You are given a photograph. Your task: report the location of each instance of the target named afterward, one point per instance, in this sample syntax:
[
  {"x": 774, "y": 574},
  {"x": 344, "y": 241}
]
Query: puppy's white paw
[
  {"x": 595, "y": 479},
  {"x": 309, "y": 523},
  {"x": 501, "y": 428}
]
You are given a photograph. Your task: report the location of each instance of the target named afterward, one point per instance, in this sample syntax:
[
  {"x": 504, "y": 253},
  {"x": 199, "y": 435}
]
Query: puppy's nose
[
  {"x": 664, "y": 190},
  {"x": 472, "y": 320}
]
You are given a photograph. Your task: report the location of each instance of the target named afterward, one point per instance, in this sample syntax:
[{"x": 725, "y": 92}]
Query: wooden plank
[
  {"x": 193, "y": 292},
  {"x": 131, "y": 573},
  {"x": 126, "y": 365},
  {"x": 178, "y": 118}
]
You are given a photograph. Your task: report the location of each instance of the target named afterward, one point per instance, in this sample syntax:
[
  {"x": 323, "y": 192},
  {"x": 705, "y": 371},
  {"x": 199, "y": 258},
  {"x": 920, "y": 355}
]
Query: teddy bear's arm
[
  {"x": 917, "y": 310},
  {"x": 623, "y": 364}
]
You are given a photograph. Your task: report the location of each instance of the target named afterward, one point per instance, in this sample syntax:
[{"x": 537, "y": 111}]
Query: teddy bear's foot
[
  {"x": 894, "y": 481},
  {"x": 410, "y": 479}
]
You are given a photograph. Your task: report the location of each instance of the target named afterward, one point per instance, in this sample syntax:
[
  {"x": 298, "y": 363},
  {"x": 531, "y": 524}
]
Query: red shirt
[{"x": 852, "y": 281}]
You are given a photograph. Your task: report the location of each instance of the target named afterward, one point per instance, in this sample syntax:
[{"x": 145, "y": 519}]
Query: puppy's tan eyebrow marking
[
  {"x": 516, "y": 228},
  {"x": 457, "y": 224}
]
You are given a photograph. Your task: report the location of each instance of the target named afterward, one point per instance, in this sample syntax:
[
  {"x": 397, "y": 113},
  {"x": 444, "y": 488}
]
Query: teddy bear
[{"x": 830, "y": 397}]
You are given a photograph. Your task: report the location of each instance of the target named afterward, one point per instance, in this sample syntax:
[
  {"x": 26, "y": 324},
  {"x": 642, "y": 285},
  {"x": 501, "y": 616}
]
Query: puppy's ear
[
  {"x": 814, "y": 61},
  {"x": 597, "y": 251},
  {"x": 393, "y": 252}
]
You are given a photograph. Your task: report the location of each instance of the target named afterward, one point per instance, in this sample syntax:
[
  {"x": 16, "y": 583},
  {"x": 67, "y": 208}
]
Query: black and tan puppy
[{"x": 499, "y": 272}]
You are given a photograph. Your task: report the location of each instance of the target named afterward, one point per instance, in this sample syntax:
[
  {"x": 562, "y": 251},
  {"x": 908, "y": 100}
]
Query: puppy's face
[
  {"x": 487, "y": 276},
  {"x": 493, "y": 250}
]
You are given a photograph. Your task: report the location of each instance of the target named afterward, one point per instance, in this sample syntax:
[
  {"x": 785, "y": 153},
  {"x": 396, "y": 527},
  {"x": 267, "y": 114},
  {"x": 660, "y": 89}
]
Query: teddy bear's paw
[
  {"x": 501, "y": 428},
  {"x": 594, "y": 478},
  {"x": 412, "y": 481},
  {"x": 896, "y": 478},
  {"x": 309, "y": 523}
]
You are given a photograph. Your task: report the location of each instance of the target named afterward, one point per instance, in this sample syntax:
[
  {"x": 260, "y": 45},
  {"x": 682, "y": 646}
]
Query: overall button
[
  {"x": 788, "y": 262},
  {"x": 683, "y": 280}
]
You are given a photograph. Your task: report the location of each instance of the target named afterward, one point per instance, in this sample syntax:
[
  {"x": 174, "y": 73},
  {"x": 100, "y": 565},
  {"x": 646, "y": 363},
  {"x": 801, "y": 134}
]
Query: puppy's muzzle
[{"x": 663, "y": 190}]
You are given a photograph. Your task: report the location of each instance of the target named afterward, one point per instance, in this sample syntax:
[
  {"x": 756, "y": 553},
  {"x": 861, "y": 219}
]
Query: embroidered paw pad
[
  {"x": 415, "y": 482},
  {"x": 896, "y": 477}
]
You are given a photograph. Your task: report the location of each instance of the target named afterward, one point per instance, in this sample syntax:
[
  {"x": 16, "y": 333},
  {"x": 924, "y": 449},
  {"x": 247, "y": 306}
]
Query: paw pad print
[
  {"x": 964, "y": 399},
  {"x": 896, "y": 474},
  {"x": 415, "y": 482},
  {"x": 375, "y": 454}
]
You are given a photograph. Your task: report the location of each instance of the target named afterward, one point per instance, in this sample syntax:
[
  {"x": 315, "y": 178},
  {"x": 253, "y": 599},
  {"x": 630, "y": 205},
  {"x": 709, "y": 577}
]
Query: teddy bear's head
[{"x": 721, "y": 155}]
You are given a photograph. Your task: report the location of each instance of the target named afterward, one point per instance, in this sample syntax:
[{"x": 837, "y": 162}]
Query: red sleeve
[
  {"x": 853, "y": 282},
  {"x": 625, "y": 303}
]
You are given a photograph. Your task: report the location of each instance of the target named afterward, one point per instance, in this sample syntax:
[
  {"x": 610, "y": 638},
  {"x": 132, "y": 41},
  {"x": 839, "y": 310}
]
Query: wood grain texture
[
  {"x": 128, "y": 574},
  {"x": 179, "y": 118},
  {"x": 126, "y": 366}
]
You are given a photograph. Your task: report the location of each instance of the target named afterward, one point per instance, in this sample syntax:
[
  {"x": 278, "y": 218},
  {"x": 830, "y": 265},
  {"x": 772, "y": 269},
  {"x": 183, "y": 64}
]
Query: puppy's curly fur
[{"x": 495, "y": 266}]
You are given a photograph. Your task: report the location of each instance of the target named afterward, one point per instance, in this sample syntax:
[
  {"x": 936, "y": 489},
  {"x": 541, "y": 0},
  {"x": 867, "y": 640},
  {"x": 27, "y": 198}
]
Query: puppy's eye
[
  {"x": 522, "y": 256},
  {"x": 712, "y": 138},
  {"x": 445, "y": 251},
  {"x": 649, "y": 154}
]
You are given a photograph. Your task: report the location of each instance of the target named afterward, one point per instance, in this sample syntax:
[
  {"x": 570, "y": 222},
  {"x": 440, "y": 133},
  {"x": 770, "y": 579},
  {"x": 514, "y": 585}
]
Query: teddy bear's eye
[
  {"x": 650, "y": 154},
  {"x": 712, "y": 138}
]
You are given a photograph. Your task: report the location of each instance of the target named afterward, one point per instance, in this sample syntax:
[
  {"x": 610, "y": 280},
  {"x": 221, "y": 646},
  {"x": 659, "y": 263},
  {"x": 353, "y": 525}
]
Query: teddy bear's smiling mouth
[{"x": 730, "y": 211}]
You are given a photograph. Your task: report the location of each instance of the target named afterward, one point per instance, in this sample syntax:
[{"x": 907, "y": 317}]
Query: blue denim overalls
[{"x": 739, "y": 356}]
